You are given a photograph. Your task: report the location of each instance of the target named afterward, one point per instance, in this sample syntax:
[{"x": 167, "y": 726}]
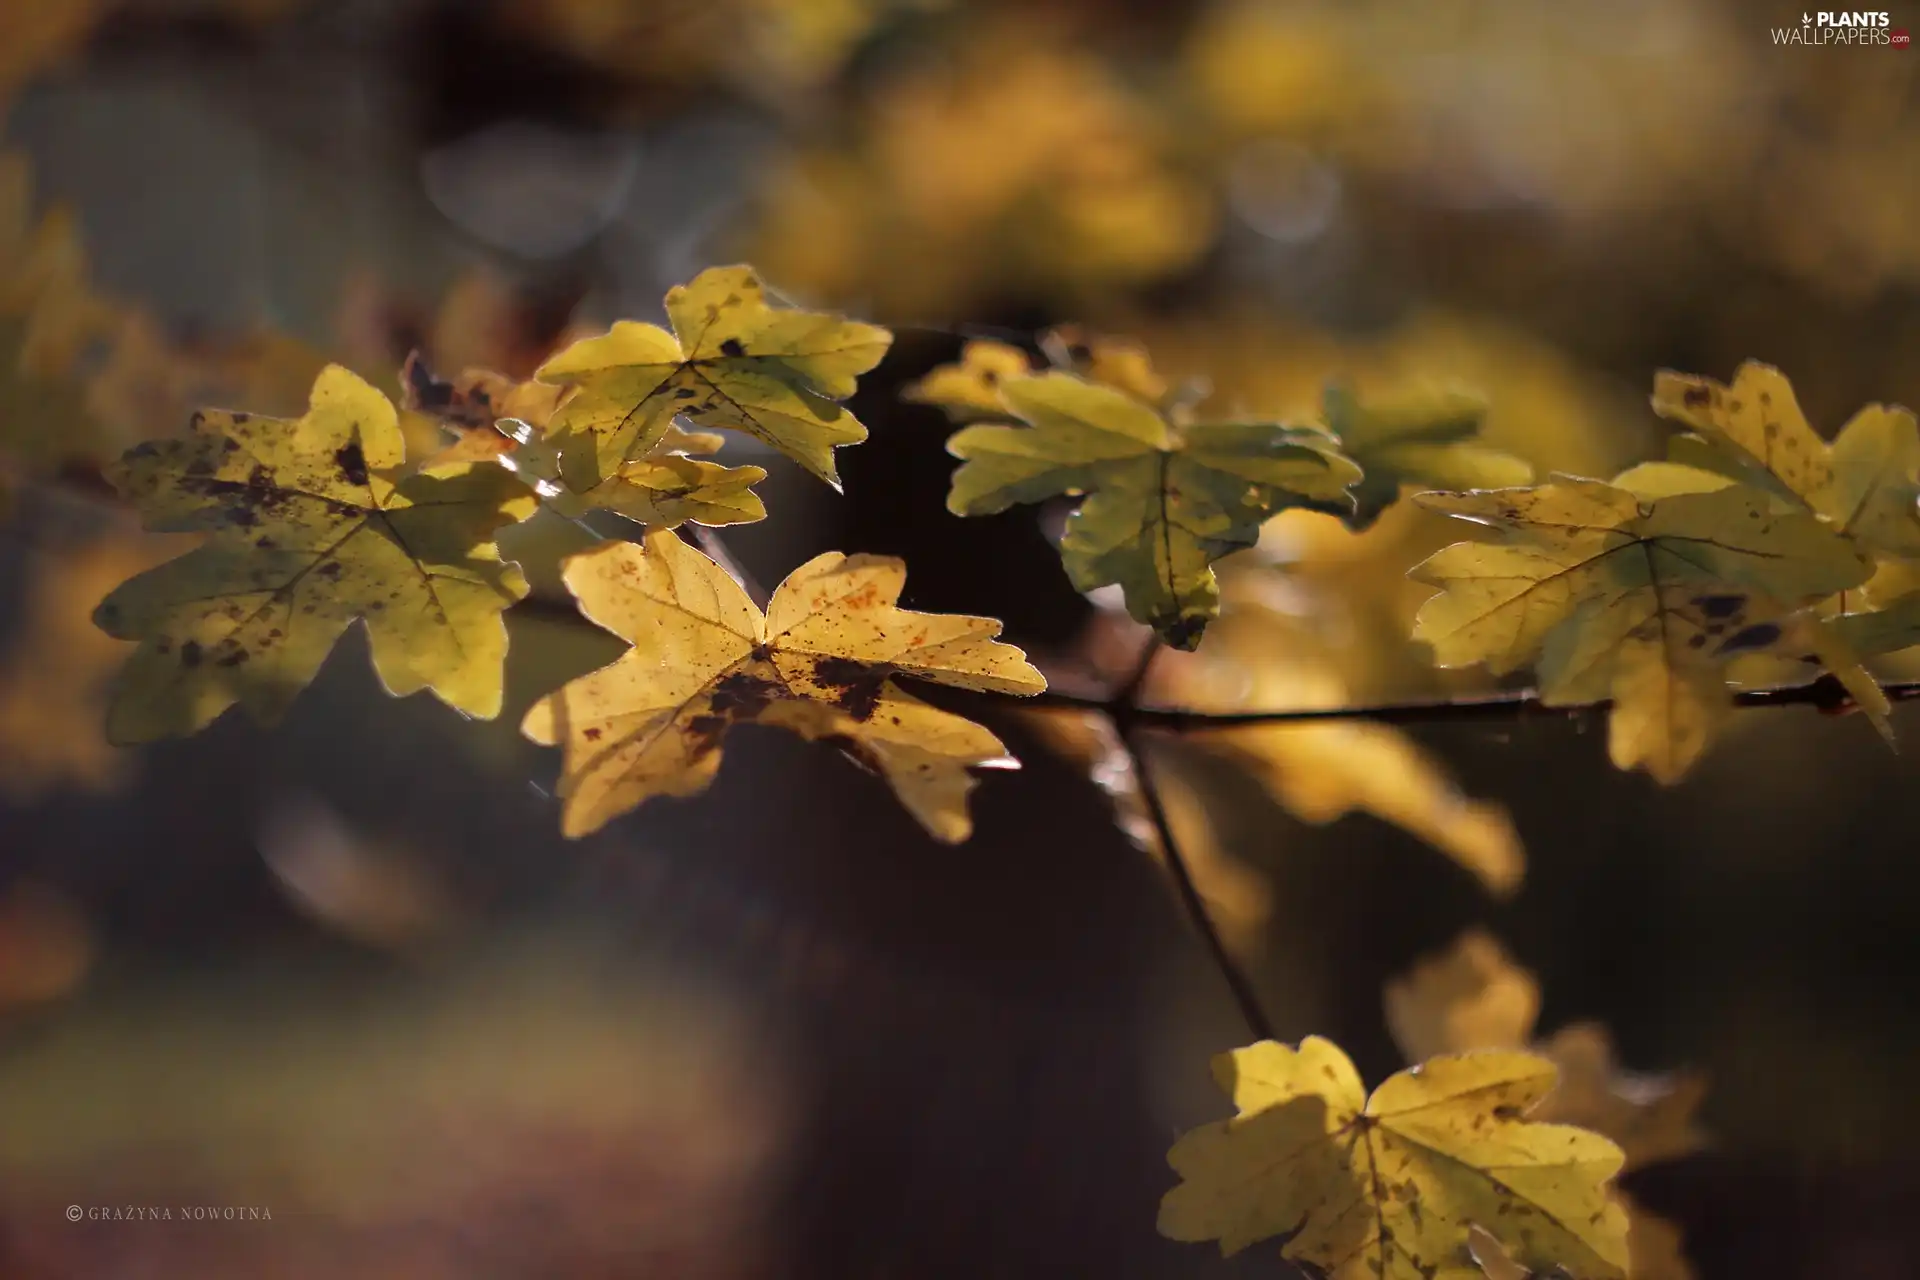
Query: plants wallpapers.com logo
[{"x": 1854, "y": 27}]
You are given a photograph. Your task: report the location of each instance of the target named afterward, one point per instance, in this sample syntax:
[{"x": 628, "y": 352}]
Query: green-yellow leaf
[
  {"x": 731, "y": 361},
  {"x": 821, "y": 662},
  {"x": 1643, "y": 602},
  {"x": 1427, "y": 440},
  {"x": 1386, "y": 1187},
  {"x": 1865, "y": 482},
  {"x": 1164, "y": 499},
  {"x": 309, "y": 531}
]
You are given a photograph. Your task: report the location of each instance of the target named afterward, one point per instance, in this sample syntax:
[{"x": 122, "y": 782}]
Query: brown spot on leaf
[
  {"x": 741, "y": 695},
  {"x": 352, "y": 461},
  {"x": 732, "y": 347},
  {"x": 859, "y": 684}
]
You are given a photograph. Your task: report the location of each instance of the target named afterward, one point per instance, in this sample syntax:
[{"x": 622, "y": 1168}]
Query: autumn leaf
[
  {"x": 1165, "y": 499},
  {"x": 1111, "y": 361},
  {"x": 1428, "y": 440},
  {"x": 969, "y": 388},
  {"x": 1323, "y": 772},
  {"x": 1643, "y": 602},
  {"x": 473, "y": 400},
  {"x": 1473, "y": 996},
  {"x": 309, "y": 530},
  {"x": 1864, "y": 483},
  {"x": 1386, "y": 1187},
  {"x": 820, "y": 662},
  {"x": 732, "y": 361},
  {"x": 503, "y": 420}
]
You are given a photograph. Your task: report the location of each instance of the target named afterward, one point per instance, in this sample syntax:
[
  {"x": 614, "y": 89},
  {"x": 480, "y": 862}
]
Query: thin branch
[
  {"x": 1823, "y": 693},
  {"x": 1121, "y": 708},
  {"x": 1196, "y": 906}
]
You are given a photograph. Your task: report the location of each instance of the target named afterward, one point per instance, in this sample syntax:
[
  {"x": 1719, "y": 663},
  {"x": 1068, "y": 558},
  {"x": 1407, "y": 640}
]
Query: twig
[
  {"x": 1120, "y": 708},
  {"x": 1823, "y": 693}
]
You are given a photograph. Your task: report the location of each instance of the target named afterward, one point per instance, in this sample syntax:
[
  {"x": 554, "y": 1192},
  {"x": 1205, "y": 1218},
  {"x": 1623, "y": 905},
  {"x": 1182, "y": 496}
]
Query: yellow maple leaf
[
  {"x": 1473, "y": 996},
  {"x": 820, "y": 662},
  {"x": 1322, "y": 772},
  {"x": 1386, "y": 1187},
  {"x": 731, "y": 361},
  {"x": 1864, "y": 483},
  {"x": 1643, "y": 602},
  {"x": 1165, "y": 498},
  {"x": 309, "y": 530}
]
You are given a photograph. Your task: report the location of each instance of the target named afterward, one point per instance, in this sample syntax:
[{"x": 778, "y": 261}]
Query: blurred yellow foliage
[
  {"x": 54, "y": 678},
  {"x": 1017, "y": 159}
]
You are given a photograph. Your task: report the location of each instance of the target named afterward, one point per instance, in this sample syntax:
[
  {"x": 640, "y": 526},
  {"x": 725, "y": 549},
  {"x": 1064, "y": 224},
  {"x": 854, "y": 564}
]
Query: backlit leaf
[
  {"x": 1165, "y": 499},
  {"x": 309, "y": 530},
  {"x": 821, "y": 662},
  {"x": 1473, "y": 996},
  {"x": 1865, "y": 483},
  {"x": 1641, "y": 602},
  {"x": 1386, "y": 1187},
  {"x": 731, "y": 361}
]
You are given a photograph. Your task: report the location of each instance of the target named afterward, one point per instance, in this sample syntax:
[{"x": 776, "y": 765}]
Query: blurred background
[{"x": 347, "y": 970}]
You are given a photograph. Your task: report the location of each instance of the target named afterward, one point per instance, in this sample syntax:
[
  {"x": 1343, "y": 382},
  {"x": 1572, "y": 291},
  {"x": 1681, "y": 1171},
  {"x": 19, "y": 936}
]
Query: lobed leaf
[
  {"x": 1867, "y": 482},
  {"x": 1387, "y": 1187},
  {"x": 821, "y": 662},
  {"x": 1164, "y": 500},
  {"x": 1643, "y": 602},
  {"x": 732, "y": 361},
  {"x": 310, "y": 529}
]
